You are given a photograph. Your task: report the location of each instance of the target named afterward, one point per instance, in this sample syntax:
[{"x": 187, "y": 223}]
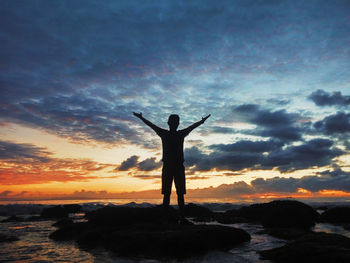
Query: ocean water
[{"x": 35, "y": 246}]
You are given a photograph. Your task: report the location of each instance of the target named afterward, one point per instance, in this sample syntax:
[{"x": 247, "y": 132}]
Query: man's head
[{"x": 173, "y": 121}]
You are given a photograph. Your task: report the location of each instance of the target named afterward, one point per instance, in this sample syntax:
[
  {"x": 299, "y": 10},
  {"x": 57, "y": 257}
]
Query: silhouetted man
[{"x": 173, "y": 156}]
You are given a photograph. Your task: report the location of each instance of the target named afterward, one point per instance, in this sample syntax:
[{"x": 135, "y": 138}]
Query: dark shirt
[
  {"x": 172, "y": 141},
  {"x": 173, "y": 145}
]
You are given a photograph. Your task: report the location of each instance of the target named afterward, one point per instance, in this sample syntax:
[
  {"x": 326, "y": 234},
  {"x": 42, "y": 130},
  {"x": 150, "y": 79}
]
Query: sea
[{"x": 34, "y": 244}]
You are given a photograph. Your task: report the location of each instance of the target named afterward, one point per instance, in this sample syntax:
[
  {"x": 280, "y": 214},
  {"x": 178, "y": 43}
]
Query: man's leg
[
  {"x": 167, "y": 181},
  {"x": 180, "y": 185},
  {"x": 181, "y": 203},
  {"x": 166, "y": 200}
]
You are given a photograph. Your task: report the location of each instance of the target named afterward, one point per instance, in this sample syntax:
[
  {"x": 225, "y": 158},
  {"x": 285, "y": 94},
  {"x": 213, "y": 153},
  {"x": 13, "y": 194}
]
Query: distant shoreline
[{"x": 121, "y": 201}]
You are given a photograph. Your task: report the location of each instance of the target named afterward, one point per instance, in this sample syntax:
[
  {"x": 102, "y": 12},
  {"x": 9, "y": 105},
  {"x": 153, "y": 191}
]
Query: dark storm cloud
[
  {"x": 276, "y": 124},
  {"x": 313, "y": 153},
  {"x": 221, "y": 160},
  {"x": 277, "y": 184},
  {"x": 264, "y": 155},
  {"x": 310, "y": 183},
  {"x": 336, "y": 171},
  {"x": 149, "y": 164},
  {"x": 223, "y": 130},
  {"x": 248, "y": 146},
  {"x": 324, "y": 98},
  {"x": 338, "y": 123},
  {"x": 129, "y": 163}
]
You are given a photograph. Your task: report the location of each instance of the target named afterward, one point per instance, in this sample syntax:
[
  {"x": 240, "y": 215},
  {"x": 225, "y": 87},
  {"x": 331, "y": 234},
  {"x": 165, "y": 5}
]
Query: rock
[
  {"x": 193, "y": 210},
  {"x": 69, "y": 232},
  {"x": 252, "y": 213},
  {"x": 118, "y": 216},
  {"x": 228, "y": 217},
  {"x": 322, "y": 207},
  {"x": 149, "y": 232},
  {"x": 63, "y": 222},
  {"x": 54, "y": 212},
  {"x": 286, "y": 232},
  {"x": 200, "y": 213},
  {"x": 336, "y": 215},
  {"x": 35, "y": 218},
  {"x": 12, "y": 219},
  {"x": 72, "y": 208},
  {"x": 59, "y": 211},
  {"x": 176, "y": 241},
  {"x": 7, "y": 238},
  {"x": 279, "y": 213},
  {"x": 288, "y": 213},
  {"x": 312, "y": 248}
]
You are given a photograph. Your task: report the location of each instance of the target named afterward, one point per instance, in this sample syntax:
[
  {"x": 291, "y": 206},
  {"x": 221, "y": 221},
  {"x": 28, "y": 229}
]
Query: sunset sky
[{"x": 274, "y": 75}]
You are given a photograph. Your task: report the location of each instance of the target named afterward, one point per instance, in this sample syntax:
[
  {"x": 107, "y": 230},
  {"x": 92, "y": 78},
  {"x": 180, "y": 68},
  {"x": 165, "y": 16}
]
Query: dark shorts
[{"x": 174, "y": 172}]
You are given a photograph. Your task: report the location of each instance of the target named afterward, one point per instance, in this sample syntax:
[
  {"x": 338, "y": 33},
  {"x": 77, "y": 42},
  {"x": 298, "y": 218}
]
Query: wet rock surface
[
  {"x": 286, "y": 232},
  {"x": 336, "y": 215},
  {"x": 59, "y": 211},
  {"x": 13, "y": 219},
  {"x": 312, "y": 248},
  {"x": 7, "y": 238}
]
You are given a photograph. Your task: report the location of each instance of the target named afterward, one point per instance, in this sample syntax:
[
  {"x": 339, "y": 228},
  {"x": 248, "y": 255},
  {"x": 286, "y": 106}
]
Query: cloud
[
  {"x": 263, "y": 155},
  {"x": 219, "y": 129},
  {"x": 276, "y": 185},
  {"x": 324, "y": 98},
  {"x": 149, "y": 164},
  {"x": 327, "y": 181},
  {"x": 147, "y": 176},
  {"x": 29, "y": 175},
  {"x": 275, "y": 124},
  {"x": 338, "y": 123},
  {"x": 310, "y": 183},
  {"x": 5, "y": 193},
  {"x": 129, "y": 163},
  {"x": 79, "y": 69},
  {"x": 336, "y": 171},
  {"x": 20, "y": 152},
  {"x": 279, "y": 102},
  {"x": 286, "y": 186},
  {"x": 313, "y": 153},
  {"x": 248, "y": 146},
  {"x": 28, "y": 164}
]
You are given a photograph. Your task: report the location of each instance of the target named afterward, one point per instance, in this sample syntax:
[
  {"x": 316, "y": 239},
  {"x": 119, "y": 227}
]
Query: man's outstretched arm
[
  {"x": 195, "y": 125},
  {"x": 148, "y": 123}
]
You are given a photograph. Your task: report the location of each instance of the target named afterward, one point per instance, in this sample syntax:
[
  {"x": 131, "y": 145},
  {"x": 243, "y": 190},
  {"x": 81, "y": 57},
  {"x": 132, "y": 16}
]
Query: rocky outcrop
[
  {"x": 336, "y": 215},
  {"x": 149, "y": 232},
  {"x": 59, "y": 211},
  {"x": 312, "y": 248},
  {"x": 13, "y": 219},
  {"x": 7, "y": 238},
  {"x": 279, "y": 213}
]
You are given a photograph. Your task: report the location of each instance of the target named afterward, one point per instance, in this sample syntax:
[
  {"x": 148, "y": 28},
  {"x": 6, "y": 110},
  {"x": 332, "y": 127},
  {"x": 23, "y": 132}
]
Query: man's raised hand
[
  {"x": 138, "y": 115},
  {"x": 206, "y": 117}
]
